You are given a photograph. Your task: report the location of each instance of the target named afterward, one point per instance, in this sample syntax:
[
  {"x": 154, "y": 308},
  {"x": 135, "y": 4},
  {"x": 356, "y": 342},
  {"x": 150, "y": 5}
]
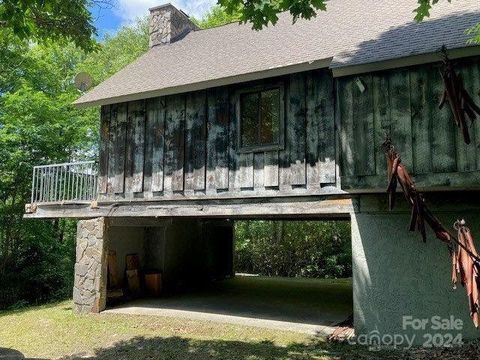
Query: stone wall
[
  {"x": 168, "y": 24},
  {"x": 90, "y": 286},
  {"x": 181, "y": 249}
]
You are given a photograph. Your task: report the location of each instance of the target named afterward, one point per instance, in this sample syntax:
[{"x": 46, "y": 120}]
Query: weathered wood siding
[
  {"x": 185, "y": 146},
  {"x": 404, "y": 104}
]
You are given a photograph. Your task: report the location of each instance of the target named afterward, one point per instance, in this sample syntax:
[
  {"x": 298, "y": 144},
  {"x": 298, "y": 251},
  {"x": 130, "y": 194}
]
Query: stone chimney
[{"x": 168, "y": 24}]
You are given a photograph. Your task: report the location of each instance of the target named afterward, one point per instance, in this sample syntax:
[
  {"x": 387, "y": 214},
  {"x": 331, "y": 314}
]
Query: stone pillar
[
  {"x": 397, "y": 277},
  {"x": 90, "y": 286},
  {"x": 168, "y": 24}
]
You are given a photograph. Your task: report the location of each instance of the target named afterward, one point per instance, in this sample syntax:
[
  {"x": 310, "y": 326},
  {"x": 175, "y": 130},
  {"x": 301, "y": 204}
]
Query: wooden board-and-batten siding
[
  {"x": 404, "y": 103},
  {"x": 185, "y": 146}
]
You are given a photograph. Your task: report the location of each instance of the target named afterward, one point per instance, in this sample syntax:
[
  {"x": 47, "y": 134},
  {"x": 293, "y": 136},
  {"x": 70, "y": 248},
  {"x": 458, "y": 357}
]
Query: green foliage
[
  {"x": 12, "y": 61},
  {"x": 217, "y": 16},
  {"x": 41, "y": 268},
  {"x": 424, "y": 7},
  {"x": 39, "y": 125},
  {"x": 423, "y": 11},
  {"x": 474, "y": 32},
  {"x": 50, "y": 20},
  {"x": 314, "y": 249},
  {"x": 117, "y": 51},
  {"x": 261, "y": 13}
]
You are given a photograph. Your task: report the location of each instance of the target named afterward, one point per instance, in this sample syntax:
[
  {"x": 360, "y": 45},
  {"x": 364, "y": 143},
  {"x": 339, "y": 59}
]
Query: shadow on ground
[
  {"x": 173, "y": 348},
  {"x": 188, "y": 349},
  {"x": 310, "y": 301},
  {"x": 32, "y": 308},
  {"x": 10, "y": 354}
]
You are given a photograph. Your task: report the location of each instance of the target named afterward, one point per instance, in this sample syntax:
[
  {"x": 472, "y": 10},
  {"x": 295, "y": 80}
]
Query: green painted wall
[{"x": 395, "y": 274}]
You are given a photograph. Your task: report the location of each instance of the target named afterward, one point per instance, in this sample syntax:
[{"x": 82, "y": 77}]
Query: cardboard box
[
  {"x": 153, "y": 284},
  {"x": 133, "y": 281}
]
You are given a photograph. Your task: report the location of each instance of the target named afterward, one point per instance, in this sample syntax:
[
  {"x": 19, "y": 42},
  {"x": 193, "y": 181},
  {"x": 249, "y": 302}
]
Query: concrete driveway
[{"x": 303, "y": 305}]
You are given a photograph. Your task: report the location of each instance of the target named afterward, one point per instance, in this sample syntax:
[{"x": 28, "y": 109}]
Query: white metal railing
[{"x": 65, "y": 182}]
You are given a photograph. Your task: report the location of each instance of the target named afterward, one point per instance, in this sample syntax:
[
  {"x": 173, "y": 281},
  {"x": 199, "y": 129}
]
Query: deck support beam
[{"x": 322, "y": 206}]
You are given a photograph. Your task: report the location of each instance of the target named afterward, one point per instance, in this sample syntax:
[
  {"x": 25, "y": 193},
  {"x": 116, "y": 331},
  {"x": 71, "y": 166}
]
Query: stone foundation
[
  {"x": 90, "y": 286},
  {"x": 184, "y": 251}
]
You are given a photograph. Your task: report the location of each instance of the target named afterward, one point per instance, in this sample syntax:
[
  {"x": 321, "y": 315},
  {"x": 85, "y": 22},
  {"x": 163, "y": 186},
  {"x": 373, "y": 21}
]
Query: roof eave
[
  {"x": 284, "y": 70},
  {"x": 346, "y": 70}
]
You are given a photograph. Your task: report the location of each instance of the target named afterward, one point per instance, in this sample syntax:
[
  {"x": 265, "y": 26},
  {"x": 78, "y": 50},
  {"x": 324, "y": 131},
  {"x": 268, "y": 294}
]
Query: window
[{"x": 261, "y": 120}]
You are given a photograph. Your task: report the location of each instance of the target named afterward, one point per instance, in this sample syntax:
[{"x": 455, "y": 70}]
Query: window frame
[{"x": 281, "y": 121}]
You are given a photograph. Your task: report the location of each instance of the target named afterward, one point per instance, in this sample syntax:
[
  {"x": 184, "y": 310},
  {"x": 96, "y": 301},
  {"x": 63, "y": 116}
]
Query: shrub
[{"x": 313, "y": 249}]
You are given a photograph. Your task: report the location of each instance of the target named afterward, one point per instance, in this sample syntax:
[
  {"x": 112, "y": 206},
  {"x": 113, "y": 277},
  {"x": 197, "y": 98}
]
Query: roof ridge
[
  {"x": 241, "y": 22},
  {"x": 347, "y": 38}
]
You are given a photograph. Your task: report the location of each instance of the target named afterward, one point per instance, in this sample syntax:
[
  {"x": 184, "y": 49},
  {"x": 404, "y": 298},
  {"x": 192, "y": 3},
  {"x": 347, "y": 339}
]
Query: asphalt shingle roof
[{"x": 350, "y": 32}]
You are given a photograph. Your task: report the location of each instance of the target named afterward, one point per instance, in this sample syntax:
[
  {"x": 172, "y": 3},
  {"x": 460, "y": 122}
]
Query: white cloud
[
  {"x": 129, "y": 10},
  {"x": 196, "y": 8}
]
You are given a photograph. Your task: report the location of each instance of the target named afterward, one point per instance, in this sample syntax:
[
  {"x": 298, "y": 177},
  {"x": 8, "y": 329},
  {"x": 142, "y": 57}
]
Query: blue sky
[{"x": 124, "y": 12}]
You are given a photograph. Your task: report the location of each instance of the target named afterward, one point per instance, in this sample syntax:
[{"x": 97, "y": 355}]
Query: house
[{"x": 215, "y": 125}]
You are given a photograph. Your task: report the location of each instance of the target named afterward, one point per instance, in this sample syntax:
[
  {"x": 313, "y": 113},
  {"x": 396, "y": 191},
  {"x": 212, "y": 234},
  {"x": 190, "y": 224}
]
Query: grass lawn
[{"x": 54, "y": 331}]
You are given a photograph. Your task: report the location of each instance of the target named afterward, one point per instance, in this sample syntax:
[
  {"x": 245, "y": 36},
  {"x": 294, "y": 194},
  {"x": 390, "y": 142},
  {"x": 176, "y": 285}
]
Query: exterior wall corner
[{"x": 396, "y": 276}]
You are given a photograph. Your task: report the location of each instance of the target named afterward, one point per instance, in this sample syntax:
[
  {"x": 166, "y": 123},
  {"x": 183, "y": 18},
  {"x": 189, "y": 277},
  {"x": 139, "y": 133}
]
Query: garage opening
[{"x": 282, "y": 274}]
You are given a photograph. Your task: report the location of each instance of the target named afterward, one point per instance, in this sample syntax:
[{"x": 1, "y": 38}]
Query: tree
[
  {"x": 39, "y": 125},
  {"x": 474, "y": 31},
  {"x": 261, "y": 13},
  {"x": 51, "y": 20},
  {"x": 423, "y": 11},
  {"x": 424, "y": 7},
  {"x": 12, "y": 60},
  {"x": 217, "y": 16},
  {"x": 117, "y": 51},
  {"x": 314, "y": 249}
]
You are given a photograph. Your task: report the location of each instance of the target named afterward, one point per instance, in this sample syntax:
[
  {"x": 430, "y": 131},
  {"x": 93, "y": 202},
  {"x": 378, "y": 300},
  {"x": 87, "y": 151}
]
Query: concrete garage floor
[{"x": 303, "y": 305}]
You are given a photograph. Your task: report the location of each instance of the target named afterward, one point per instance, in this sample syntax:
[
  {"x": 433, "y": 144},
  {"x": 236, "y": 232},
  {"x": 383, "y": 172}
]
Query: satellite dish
[{"x": 83, "y": 81}]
